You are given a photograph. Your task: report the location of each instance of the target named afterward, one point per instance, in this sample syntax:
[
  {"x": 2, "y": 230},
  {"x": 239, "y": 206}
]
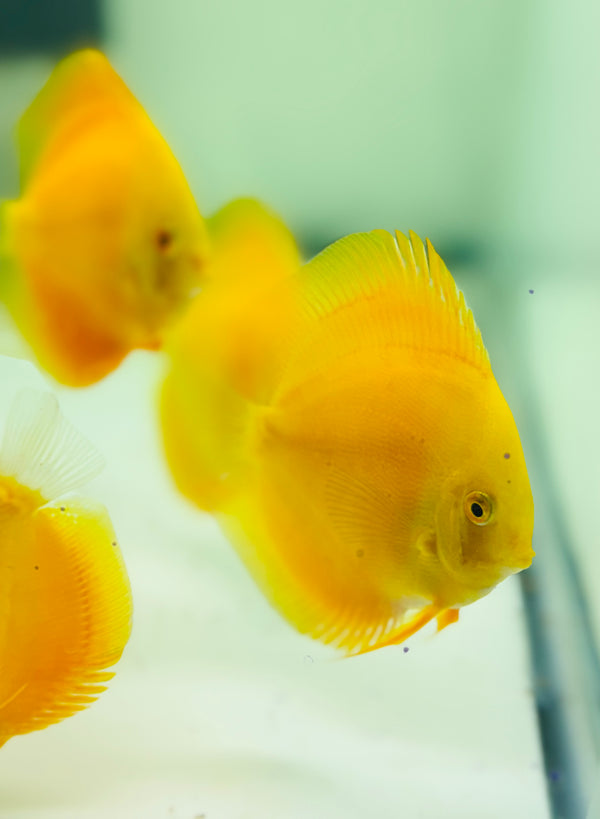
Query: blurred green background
[{"x": 472, "y": 121}]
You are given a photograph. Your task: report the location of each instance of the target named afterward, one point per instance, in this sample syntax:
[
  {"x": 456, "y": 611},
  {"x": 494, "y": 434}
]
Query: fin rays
[
  {"x": 41, "y": 449},
  {"x": 419, "y": 303},
  {"x": 61, "y": 647}
]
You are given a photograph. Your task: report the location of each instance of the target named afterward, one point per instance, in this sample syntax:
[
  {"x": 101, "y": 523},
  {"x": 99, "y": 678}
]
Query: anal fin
[{"x": 403, "y": 631}]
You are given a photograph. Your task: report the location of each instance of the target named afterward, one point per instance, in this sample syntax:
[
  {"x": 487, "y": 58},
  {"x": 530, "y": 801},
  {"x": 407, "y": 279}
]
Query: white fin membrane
[{"x": 42, "y": 450}]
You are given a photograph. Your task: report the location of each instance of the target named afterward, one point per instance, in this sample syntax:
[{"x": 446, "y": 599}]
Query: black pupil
[{"x": 477, "y": 510}]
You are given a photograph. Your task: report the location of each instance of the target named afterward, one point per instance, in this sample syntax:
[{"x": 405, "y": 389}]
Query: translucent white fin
[{"x": 42, "y": 450}]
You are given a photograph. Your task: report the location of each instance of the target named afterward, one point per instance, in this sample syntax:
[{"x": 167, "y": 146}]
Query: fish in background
[
  {"x": 237, "y": 320},
  {"x": 65, "y": 600},
  {"x": 363, "y": 462},
  {"x": 106, "y": 245}
]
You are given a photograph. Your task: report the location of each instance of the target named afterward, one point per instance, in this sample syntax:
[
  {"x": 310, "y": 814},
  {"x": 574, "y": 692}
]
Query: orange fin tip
[
  {"x": 403, "y": 632},
  {"x": 446, "y": 618}
]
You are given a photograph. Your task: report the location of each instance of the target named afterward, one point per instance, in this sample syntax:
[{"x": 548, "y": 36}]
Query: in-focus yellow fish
[
  {"x": 106, "y": 244},
  {"x": 373, "y": 479},
  {"x": 65, "y": 601}
]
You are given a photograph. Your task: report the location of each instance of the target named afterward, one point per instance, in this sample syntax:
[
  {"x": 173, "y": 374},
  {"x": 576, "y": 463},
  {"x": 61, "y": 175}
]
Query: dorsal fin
[
  {"x": 376, "y": 290},
  {"x": 81, "y": 80},
  {"x": 42, "y": 451},
  {"x": 252, "y": 246}
]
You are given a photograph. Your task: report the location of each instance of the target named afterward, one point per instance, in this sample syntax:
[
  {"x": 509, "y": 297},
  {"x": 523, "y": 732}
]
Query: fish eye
[
  {"x": 164, "y": 240},
  {"x": 478, "y": 508}
]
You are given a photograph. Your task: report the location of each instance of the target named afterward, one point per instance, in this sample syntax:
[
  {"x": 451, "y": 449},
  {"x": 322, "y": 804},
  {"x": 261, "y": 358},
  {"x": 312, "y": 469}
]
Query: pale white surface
[
  {"x": 220, "y": 709},
  {"x": 594, "y": 811}
]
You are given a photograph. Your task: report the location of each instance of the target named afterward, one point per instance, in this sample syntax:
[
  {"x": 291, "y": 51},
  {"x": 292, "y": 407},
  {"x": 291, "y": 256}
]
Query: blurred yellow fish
[
  {"x": 106, "y": 244},
  {"x": 372, "y": 477},
  {"x": 65, "y": 601},
  {"x": 251, "y": 250}
]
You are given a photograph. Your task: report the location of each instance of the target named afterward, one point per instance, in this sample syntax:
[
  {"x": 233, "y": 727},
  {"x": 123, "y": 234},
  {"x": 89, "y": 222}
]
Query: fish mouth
[{"x": 523, "y": 561}]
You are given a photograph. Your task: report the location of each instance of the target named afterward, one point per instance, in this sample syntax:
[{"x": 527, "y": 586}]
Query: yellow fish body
[
  {"x": 106, "y": 244},
  {"x": 65, "y": 600},
  {"x": 378, "y": 480}
]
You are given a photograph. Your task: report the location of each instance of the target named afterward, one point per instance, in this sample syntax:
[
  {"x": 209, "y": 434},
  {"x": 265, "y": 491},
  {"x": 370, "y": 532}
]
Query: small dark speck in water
[
  {"x": 308, "y": 659},
  {"x": 36, "y": 568},
  {"x": 554, "y": 776},
  {"x": 360, "y": 553},
  {"x": 406, "y": 649},
  {"x": 507, "y": 455},
  {"x": 531, "y": 292},
  {"x": 62, "y": 508}
]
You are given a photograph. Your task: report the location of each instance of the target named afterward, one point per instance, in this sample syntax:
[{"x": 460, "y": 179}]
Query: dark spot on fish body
[
  {"x": 360, "y": 553},
  {"x": 62, "y": 508},
  {"x": 507, "y": 481},
  {"x": 164, "y": 240},
  {"x": 36, "y": 568},
  {"x": 114, "y": 543},
  {"x": 507, "y": 455}
]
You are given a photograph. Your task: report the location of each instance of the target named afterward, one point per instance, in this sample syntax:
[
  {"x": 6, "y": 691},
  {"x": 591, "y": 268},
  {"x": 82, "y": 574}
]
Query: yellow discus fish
[
  {"x": 373, "y": 478},
  {"x": 65, "y": 601},
  {"x": 106, "y": 244},
  {"x": 233, "y": 318}
]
